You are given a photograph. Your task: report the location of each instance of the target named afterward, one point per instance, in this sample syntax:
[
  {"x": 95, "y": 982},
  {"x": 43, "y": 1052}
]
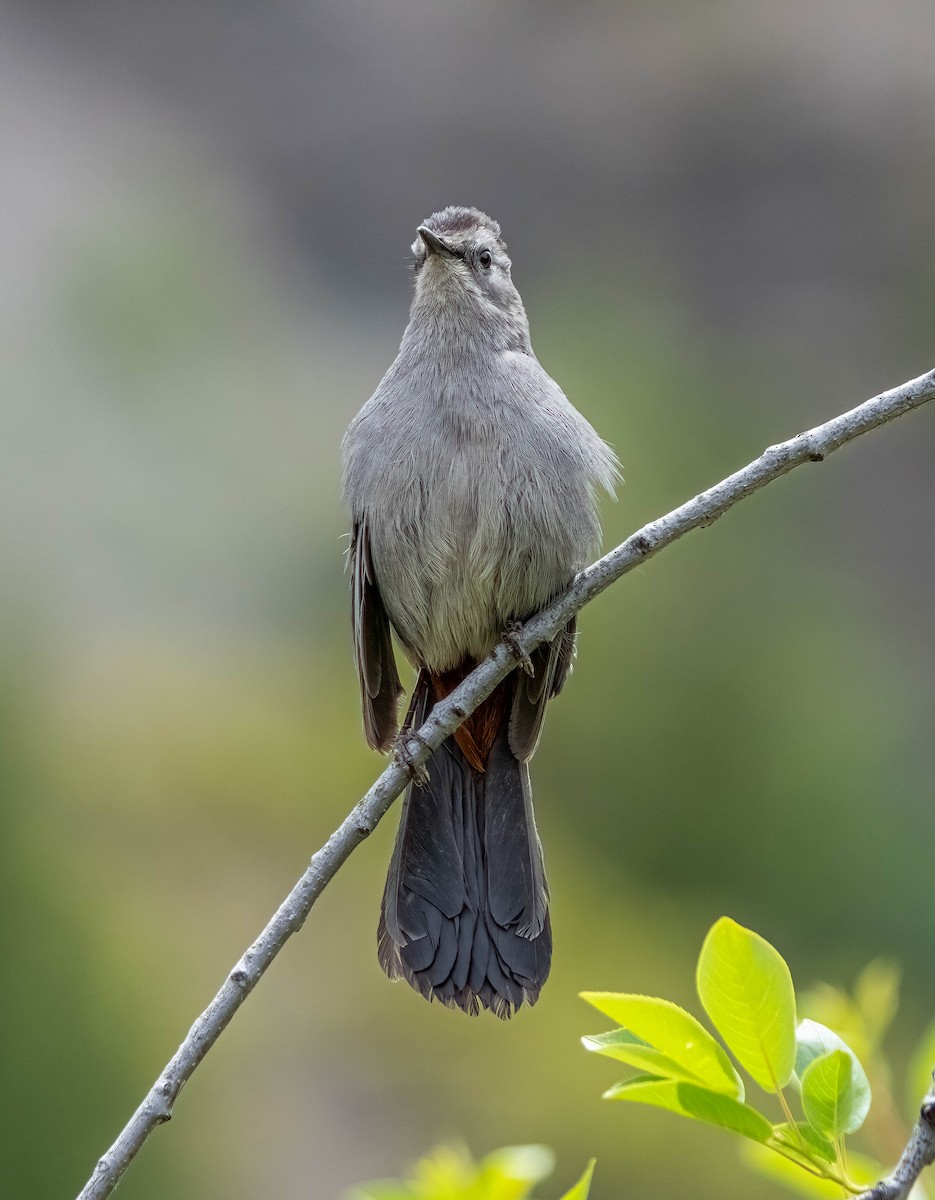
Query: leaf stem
[
  {"x": 820, "y": 1170},
  {"x": 787, "y": 1111}
]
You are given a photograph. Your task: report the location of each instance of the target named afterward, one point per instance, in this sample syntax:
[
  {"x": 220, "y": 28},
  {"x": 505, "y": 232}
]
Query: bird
[{"x": 473, "y": 486}]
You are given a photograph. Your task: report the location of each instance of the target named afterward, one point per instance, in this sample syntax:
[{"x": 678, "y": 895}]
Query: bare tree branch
[
  {"x": 812, "y": 446},
  {"x": 919, "y": 1154}
]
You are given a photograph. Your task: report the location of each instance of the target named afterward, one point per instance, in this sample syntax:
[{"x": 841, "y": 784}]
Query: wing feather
[
  {"x": 552, "y": 664},
  {"x": 380, "y": 688}
]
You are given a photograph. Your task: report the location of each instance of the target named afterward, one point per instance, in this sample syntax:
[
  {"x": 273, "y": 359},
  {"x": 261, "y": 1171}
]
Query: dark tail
[{"x": 465, "y": 911}]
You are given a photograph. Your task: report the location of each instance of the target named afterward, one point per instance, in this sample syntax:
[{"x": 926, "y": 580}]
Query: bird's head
[{"x": 462, "y": 269}]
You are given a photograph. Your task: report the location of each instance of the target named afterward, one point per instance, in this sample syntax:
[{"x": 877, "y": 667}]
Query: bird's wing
[
  {"x": 380, "y": 688},
  {"x": 552, "y": 663}
]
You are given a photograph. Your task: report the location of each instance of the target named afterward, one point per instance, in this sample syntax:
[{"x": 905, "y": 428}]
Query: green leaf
[
  {"x": 834, "y": 1103},
  {"x": 813, "y": 1041},
  {"x": 815, "y": 1146},
  {"x": 746, "y": 989},
  {"x": 507, "y": 1174},
  {"x": 672, "y": 1033},
  {"x": 450, "y": 1173},
  {"x": 582, "y": 1188},
  {"x": 626, "y": 1047},
  {"x": 701, "y": 1104}
]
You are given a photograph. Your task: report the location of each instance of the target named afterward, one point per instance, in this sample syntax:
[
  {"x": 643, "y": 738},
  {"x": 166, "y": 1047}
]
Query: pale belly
[{"x": 469, "y": 552}]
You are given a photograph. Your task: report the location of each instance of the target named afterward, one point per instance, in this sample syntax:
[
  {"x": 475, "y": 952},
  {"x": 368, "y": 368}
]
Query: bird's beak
[{"x": 433, "y": 243}]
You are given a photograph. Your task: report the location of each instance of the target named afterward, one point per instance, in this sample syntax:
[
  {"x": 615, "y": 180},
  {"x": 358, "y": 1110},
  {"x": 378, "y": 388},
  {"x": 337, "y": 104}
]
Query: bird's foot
[
  {"x": 417, "y": 772},
  {"x": 511, "y": 637}
]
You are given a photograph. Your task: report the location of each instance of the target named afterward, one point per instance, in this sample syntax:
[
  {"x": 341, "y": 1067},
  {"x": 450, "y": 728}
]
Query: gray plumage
[{"x": 472, "y": 484}]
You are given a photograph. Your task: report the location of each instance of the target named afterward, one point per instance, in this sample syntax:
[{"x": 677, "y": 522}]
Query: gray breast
[{"x": 480, "y": 506}]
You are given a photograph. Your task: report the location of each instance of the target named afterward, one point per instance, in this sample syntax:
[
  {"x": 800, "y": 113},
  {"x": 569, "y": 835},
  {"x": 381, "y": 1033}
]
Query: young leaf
[
  {"x": 746, "y": 989},
  {"x": 674, "y": 1034},
  {"x": 450, "y": 1172},
  {"x": 833, "y": 1103},
  {"x": 507, "y": 1174},
  {"x": 701, "y": 1104},
  {"x": 813, "y": 1041},
  {"x": 791, "y": 1138},
  {"x": 626, "y": 1047},
  {"x": 582, "y": 1188}
]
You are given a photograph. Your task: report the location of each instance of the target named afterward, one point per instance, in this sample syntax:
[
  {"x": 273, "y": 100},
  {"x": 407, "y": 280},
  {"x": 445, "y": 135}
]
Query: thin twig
[
  {"x": 812, "y": 446},
  {"x": 919, "y": 1154}
]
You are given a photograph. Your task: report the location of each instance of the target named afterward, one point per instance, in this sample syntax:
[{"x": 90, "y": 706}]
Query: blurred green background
[{"x": 720, "y": 217}]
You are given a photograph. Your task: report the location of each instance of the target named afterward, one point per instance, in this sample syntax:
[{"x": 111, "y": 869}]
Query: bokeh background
[{"x": 720, "y": 217}]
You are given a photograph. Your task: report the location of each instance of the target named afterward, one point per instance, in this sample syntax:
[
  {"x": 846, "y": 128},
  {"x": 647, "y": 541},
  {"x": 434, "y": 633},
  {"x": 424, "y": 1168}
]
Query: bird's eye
[{"x": 485, "y": 258}]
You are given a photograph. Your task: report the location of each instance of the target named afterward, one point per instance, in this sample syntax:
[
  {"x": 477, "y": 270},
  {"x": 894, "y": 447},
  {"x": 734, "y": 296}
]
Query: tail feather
[
  {"x": 465, "y": 911},
  {"x": 517, "y": 891}
]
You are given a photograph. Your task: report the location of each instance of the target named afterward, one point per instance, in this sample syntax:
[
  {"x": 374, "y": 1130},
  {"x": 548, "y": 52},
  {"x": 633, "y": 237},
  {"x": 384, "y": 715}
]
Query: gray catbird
[{"x": 471, "y": 481}]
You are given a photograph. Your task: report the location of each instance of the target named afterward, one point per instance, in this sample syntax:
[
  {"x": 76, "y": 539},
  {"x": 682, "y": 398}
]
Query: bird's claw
[
  {"x": 417, "y": 772},
  {"x": 511, "y": 637}
]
